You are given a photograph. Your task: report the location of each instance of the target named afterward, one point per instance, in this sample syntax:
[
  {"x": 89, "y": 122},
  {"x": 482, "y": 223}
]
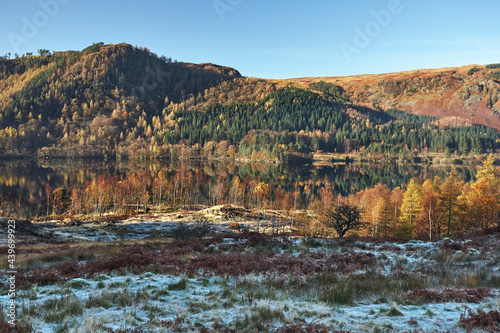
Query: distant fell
[{"x": 466, "y": 94}]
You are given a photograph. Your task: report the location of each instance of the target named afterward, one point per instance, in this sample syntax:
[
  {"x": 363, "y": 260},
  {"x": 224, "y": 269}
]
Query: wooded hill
[
  {"x": 468, "y": 94},
  {"x": 120, "y": 101}
]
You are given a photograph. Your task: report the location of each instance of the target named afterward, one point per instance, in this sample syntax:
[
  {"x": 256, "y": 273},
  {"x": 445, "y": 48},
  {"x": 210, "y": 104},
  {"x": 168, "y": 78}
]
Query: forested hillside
[
  {"x": 119, "y": 101},
  {"x": 48, "y": 98},
  {"x": 470, "y": 93}
]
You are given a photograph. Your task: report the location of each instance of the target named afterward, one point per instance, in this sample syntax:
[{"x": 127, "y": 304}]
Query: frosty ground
[{"x": 173, "y": 277}]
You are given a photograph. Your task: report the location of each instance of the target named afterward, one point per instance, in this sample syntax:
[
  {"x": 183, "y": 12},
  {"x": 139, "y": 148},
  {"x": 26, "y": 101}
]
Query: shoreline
[{"x": 317, "y": 158}]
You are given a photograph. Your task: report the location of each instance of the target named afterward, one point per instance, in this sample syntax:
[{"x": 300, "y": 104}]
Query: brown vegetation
[
  {"x": 481, "y": 319},
  {"x": 249, "y": 267},
  {"x": 446, "y": 93},
  {"x": 177, "y": 258},
  {"x": 448, "y": 295}
]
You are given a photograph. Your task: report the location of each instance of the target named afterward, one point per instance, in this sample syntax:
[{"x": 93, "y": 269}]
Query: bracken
[
  {"x": 489, "y": 320},
  {"x": 458, "y": 295}
]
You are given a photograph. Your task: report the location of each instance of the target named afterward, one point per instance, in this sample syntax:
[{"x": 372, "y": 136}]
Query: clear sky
[{"x": 268, "y": 38}]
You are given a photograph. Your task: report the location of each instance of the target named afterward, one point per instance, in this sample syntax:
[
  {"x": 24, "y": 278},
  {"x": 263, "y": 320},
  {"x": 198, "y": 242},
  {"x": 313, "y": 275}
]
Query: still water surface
[{"x": 31, "y": 176}]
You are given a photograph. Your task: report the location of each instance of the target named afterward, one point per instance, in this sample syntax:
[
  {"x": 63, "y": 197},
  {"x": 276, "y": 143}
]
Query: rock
[
  {"x": 74, "y": 223},
  {"x": 472, "y": 100},
  {"x": 212, "y": 248},
  {"x": 473, "y": 251},
  {"x": 23, "y": 227},
  {"x": 459, "y": 255}
]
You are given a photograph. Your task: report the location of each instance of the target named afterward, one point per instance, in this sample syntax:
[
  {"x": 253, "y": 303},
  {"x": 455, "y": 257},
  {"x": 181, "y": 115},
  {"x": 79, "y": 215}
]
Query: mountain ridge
[
  {"x": 475, "y": 96},
  {"x": 118, "y": 100}
]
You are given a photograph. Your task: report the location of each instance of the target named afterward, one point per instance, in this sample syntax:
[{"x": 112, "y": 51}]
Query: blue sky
[{"x": 269, "y": 39}]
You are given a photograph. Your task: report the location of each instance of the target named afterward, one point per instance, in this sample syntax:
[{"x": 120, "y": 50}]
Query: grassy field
[{"x": 243, "y": 281}]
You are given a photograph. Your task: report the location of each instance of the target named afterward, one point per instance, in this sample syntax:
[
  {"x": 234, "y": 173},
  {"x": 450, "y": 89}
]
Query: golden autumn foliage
[{"x": 430, "y": 209}]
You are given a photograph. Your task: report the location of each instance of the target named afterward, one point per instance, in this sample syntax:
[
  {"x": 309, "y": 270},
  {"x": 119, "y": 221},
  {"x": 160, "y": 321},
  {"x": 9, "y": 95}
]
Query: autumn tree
[
  {"x": 430, "y": 215},
  {"x": 159, "y": 188},
  {"x": 484, "y": 198},
  {"x": 237, "y": 191},
  {"x": 372, "y": 207},
  {"x": 61, "y": 201},
  {"x": 316, "y": 224},
  {"x": 116, "y": 193},
  {"x": 138, "y": 187},
  {"x": 410, "y": 208},
  {"x": 48, "y": 196},
  {"x": 396, "y": 200},
  {"x": 77, "y": 200},
  {"x": 448, "y": 199},
  {"x": 385, "y": 215},
  {"x": 327, "y": 198},
  {"x": 100, "y": 194},
  {"x": 261, "y": 193}
]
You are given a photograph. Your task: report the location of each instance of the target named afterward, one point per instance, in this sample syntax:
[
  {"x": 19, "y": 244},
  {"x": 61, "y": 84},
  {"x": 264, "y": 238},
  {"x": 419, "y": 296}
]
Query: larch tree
[
  {"x": 48, "y": 196},
  {"x": 485, "y": 194},
  {"x": 236, "y": 190},
  {"x": 373, "y": 211},
  {"x": 410, "y": 208},
  {"x": 428, "y": 222},
  {"x": 385, "y": 215},
  {"x": 261, "y": 192},
  {"x": 159, "y": 186},
  {"x": 448, "y": 200},
  {"x": 396, "y": 199}
]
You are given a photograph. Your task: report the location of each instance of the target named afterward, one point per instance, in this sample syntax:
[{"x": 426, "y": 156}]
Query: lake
[{"x": 31, "y": 176}]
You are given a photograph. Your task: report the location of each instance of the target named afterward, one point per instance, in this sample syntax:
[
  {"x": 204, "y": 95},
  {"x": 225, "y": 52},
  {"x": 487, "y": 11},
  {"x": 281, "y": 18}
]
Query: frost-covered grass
[
  {"x": 246, "y": 303},
  {"x": 248, "y": 282}
]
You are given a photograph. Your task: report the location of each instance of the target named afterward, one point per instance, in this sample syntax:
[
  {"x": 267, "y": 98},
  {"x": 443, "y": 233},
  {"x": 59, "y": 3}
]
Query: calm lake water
[{"x": 31, "y": 176}]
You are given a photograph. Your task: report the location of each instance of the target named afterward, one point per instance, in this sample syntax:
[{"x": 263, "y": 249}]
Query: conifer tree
[
  {"x": 410, "y": 208},
  {"x": 448, "y": 200},
  {"x": 385, "y": 215}
]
